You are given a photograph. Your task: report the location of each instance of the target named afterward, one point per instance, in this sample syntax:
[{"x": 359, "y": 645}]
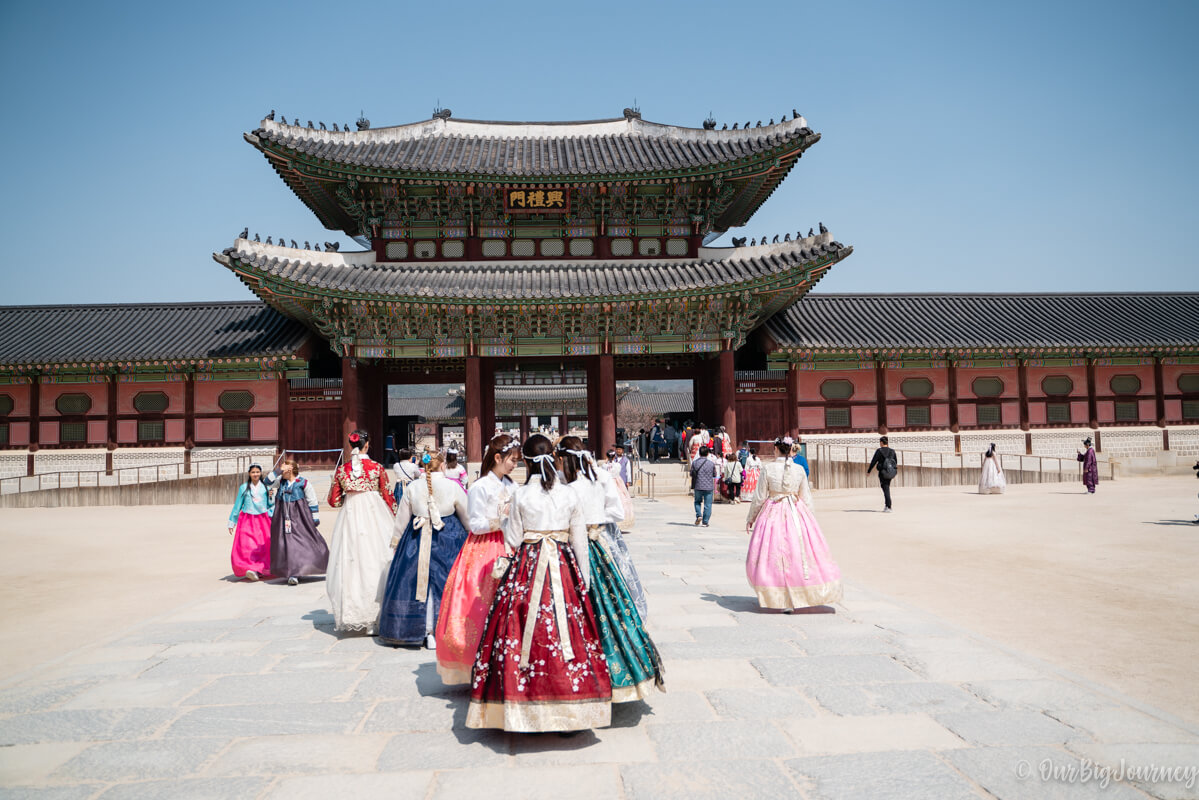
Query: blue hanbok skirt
[{"x": 402, "y": 618}]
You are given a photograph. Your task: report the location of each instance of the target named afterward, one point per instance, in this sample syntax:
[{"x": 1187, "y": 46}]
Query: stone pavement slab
[{"x": 248, "y": 692}]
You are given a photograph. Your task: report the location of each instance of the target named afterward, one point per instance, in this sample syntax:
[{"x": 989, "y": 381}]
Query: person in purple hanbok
[{"x": 1090, "y": 466}]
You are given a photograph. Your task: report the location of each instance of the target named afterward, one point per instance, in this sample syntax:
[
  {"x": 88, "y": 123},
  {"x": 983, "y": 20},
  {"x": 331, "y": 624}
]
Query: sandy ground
[
  {"x": 76, "y": 576},
  {"x": 1104, "y": 586}
]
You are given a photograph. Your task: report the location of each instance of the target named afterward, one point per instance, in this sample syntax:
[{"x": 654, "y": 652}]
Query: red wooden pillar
[
  {"x": 112, "y": 423},
  {"x": 189, "y": 420},
  {"x": 1159, "y": 393},
  {"x": 791, "y": 418},
  {"x": 880, "y": 392},
  {"x": 1022, "y": 384},
  {"x": 349, "y": 400},
  {"x": 1092, "y": 405},
  {"x": 284, "y": 415},
  {"x": 607, "y": 400},
  {"x": 595, "y": 441},
  {"x": 487, "y": 399},
  {"x": 726, "y": 394},
  {"x": 473, "y": 429},
  {"x": 35, "y": 421}
]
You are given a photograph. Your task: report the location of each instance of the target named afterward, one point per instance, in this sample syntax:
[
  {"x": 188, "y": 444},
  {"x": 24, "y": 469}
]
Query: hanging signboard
[{"x": 543, "y": 200}]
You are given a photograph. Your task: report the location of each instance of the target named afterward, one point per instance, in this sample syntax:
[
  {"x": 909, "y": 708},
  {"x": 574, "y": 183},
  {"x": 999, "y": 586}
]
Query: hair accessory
[
  {"x": 511, "y": 444},
  {"x": 426, "y": 458},
  {"x": 541, "y": 461},
  {"x": 355, "y": 438},
  {"x": 252, "y": 466},
  {"x": 451, "y": 451},
  {"x": 788, "y": 440}
]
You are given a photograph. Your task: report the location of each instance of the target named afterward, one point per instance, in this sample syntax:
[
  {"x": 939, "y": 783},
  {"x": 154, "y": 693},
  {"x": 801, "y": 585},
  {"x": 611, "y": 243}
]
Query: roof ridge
[
  {"x": 156, "y": 304},
  {"x": 882, "y": 295}
]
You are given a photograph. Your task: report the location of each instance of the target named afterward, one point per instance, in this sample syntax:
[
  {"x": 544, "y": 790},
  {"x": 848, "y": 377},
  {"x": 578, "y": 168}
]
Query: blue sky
[{"x": 967, "y": 146}]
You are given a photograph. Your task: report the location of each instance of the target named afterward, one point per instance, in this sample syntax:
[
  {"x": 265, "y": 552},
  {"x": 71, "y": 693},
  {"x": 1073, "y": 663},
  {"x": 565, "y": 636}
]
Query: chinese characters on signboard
[{"x": 543, "y": 200}]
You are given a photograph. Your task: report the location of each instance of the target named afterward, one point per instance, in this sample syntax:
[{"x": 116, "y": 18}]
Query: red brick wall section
[{"x": 97, "y": 391}]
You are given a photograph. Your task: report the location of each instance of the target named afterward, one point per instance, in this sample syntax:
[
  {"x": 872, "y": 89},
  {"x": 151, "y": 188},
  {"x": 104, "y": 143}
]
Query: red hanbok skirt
[{"x": 553, "y": 693}]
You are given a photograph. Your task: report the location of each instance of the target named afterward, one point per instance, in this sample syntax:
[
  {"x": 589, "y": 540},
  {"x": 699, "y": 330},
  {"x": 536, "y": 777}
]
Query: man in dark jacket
[
  {"x": 703, "y": 482},
  {"x": 888, "y": 465}
]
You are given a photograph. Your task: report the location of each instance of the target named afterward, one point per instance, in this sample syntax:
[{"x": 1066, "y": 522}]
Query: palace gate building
[{"x": 497, "y": 255}]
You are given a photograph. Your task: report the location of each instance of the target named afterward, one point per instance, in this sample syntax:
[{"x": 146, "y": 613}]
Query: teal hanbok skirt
[{"x": 633, "y": 661}]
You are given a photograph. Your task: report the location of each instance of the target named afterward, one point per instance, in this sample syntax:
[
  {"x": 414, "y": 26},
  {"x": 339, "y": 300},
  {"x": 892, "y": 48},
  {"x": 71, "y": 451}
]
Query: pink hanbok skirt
[
  {"x": 789, "y": 564},
  {"x": 252, "y": 545},
  {"x": 469, "y": 590}
]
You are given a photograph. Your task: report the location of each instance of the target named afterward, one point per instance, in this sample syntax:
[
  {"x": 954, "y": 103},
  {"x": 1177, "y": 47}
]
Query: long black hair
[
  {"x": 534, "y": 450},
  {"x": 572, "y": 465}
]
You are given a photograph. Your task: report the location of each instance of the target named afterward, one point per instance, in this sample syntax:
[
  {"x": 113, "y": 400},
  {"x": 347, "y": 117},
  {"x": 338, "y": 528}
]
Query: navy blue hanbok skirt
[{"x": 403, "y": 619}]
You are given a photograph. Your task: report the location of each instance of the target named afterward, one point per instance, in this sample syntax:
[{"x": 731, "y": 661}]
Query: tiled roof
[
  {"x": 145, "y": 331},
  {"x": 359, "y": 274},
  {"x": 658, "y": 403},
  {"x": 989, "y": 321},
  {"x": 439, "y": 408},
  {"x": 532, "y": 149}
]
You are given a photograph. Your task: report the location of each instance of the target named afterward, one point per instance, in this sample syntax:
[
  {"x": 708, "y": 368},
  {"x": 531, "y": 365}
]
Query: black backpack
[{"x": 888, "y": 469}]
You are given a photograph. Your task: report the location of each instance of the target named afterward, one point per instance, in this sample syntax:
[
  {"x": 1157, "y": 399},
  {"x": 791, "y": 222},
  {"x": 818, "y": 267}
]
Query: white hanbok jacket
[
  {"x": 781, "y": 476},
  {"x": 559, "y": 509}
]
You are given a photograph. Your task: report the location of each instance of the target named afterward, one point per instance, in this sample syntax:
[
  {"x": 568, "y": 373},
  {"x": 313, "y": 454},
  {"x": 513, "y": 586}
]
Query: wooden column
[
  {"x": 35, "y": 421},
  {"x": 952, "y": 375},
  {"x": 594, "y": 425},
  {"x": 487, "y": 399},
  {"x": 111, "y": 436},
  {"x": 349, "y": 400},
  {"x": 473, "y": 427},
  {"x": 1159, "y": 393},
  {"x": 791, "y": 419},
  {"x": 1022, "y": 384},
  {"x": 880, "y": 391},
  {"x": 726, "y": 394},
  {"x": 189, "y": 420},
  {"x": 284, "y": 415},
  {"x": 1092, "y": 406},
  {"x": 607, "y": 400}
]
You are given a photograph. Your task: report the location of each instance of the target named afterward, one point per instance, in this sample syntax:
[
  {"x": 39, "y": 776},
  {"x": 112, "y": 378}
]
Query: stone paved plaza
[{"x": 247, "y": 692}]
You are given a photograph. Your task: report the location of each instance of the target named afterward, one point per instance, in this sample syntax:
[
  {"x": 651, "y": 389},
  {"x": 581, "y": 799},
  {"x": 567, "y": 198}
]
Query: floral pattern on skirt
[
  {"x": 252, "y": 545},
  {"x": 553, "y": 694},
  {"x": 465, "y": 602},
  {"x": 633, "y": 662},
  {"x": 788, "y": 564}
]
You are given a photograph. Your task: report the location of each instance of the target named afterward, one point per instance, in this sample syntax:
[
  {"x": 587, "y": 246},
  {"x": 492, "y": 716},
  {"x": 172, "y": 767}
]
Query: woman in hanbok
[
  {"x": 753, "y": 468},
  {"x": 788, "y": 564},
  {"x": 541, "y": 665},
  {"x": 470, "y": 587},
  {"x": 633, "y": 662},
  {"x": 992, "y": 480},
  {"x": 1090, "y": 466},
  {"x": 453, "y": 470},
  {"x": 612, "y": 466},
  {"x": 430, "y": 527},
  {"x": 361, "y": 546},
  {"x": 250, "y": 527},
  {"x": 297, "y": 547}
]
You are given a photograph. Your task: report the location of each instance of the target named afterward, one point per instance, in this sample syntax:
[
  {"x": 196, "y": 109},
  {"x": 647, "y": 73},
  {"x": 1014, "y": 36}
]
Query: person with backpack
[{"x": 888, "y": 466}]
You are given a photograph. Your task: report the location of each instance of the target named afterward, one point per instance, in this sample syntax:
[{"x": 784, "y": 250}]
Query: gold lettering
[
  {"x": 516, "y": 199},
  {"x": 537, "y": 199},
  {"x": 555, "y": 199}
]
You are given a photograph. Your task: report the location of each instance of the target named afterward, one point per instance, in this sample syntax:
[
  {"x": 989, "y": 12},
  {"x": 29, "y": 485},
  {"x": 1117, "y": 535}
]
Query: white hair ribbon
[{"x": 542, "y": 459}]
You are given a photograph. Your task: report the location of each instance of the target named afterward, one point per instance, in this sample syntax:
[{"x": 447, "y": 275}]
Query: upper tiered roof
[
  {"x": 341, "y": 174},
  {"x": 461, "y": 147}
]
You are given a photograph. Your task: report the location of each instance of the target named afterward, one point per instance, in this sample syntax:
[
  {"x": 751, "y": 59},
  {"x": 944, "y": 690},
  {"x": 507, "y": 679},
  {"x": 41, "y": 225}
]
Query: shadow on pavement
[{"x": 1170, "y": 522}]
